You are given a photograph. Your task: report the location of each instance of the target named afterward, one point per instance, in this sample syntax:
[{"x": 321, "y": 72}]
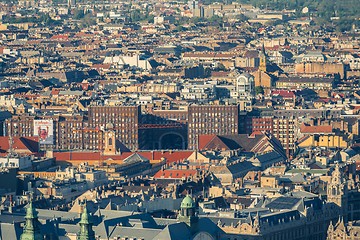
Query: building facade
[
  {"x": 124, "y": 120},
  {"x": 211, "y": 119}
]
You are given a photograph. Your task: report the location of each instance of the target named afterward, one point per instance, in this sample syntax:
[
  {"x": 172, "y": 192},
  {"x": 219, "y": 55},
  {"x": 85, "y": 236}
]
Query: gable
[{"x": 211, "y": 142}]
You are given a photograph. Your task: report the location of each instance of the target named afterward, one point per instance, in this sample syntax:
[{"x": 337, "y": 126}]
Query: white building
[
  {"x": 132, "y": 61},
  {"x": 10, "y": 101},
  {"x": 244, "y": 86},
  {"x": 198, "y": 91},
  {"x": 21, "y": 162}
]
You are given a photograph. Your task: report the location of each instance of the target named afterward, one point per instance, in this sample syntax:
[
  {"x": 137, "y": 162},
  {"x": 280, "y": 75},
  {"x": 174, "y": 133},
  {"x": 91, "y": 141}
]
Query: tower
[
  {"x": 263, "y": 59},
  {"x": 32, "y": 225},
  {"x": 256, "y": 224},
  {"x": 86, "y": 231},
  {"x": 337, "y": 191},
  {"x": 188, "y": 213},
  {"x": 110, "y": 144}
]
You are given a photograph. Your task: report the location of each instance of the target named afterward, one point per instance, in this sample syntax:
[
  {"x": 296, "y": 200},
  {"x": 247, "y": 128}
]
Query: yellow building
[
  {"x": 330, "y": 141},
  {"x": 269, "y": 181},
  {"x": 305, "y": 82}
]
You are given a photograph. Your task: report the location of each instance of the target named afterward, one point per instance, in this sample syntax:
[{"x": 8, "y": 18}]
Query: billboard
[{"x": 44, "y": 129}]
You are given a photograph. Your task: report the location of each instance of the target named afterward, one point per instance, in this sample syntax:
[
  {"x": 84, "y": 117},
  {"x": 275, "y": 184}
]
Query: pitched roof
[
  {"x": 20, "y": 143},
  {"x": 243, "y": 141},
  {"x": 135, "y": 158},
  {"x": 175, "y": 173},
  {"x": 177, "y": 231},
  {"x": 283, "y": 93},
  {"x": 316, "y": 129},
  {"x": 251, "y": 54},
  {"x": 211, "y": 142},
  {"x": 269, "y": 157},
  {"x": 170, "y": 156}
]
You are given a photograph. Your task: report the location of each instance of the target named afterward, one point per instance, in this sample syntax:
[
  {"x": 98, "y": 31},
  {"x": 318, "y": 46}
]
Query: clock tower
[
  {"x": 110, "y": 144},
  {"x": 337, "y": 191}
]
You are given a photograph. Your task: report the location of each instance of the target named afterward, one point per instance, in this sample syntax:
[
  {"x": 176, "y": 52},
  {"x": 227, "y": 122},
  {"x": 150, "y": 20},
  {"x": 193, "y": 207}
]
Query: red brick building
[{"x": 211, "y": 119}]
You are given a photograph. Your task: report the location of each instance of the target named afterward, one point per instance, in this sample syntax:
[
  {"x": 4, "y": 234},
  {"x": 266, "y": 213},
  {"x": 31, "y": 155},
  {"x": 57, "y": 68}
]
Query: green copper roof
[
  {"x": 32, "y": 225},
  {"x": 187, "y": 202},
  {"x": 85, "y": 217},
  {"x": 86, "y": 232},
  {"x": 31, "y": 212}
]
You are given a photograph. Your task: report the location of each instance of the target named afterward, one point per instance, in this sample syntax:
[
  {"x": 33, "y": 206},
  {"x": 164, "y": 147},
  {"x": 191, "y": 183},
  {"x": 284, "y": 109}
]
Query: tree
[
  {"x": 88, "y": 20},
  {"x": 221, "y": 67},
  {"x": 78, "y": 13},
  {"x": 259, "y": 90}
]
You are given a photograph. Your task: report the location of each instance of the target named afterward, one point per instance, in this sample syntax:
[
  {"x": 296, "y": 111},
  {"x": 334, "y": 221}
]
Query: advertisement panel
[{"x": 44, "y": 129}]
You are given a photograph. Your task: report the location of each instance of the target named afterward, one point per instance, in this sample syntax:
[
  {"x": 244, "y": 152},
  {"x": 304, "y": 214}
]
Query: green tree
[
  {"x": 259, "y": 90},
  {"x": 79, "y": 14},
  {"x": 221, "y": 67},
  {"x": 88, "y": 20}
]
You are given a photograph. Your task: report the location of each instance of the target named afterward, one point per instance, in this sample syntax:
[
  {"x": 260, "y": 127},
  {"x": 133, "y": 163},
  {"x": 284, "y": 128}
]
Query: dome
[{"x": 187, "y": 202}]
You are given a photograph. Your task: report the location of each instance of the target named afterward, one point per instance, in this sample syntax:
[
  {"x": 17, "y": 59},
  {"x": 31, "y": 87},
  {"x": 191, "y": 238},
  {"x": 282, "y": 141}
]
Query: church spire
[
  {"x": 263, "y": 49},
  {"x": 86, "y": 232},
  {"x": 256, "y": 223},
  {"x": 336, "y": 176},
  {"x": 32, "y": 225},
  {"x": 337, "y": 191},
  {"x": 263, "y": 59}
]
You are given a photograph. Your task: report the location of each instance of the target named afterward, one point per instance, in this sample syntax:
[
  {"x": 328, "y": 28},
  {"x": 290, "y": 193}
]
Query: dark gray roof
[
  {"x": 10, "y": 231},
  {"x": 278, "y": 217},
  {"x": 241, "y": 167},
  {"x": 177, "y": 231},
  {"x": 135, "y": 158},
  {"x": 270, "y": 157},
  {"x": 283, "y": 203},
  {"x": 243, "y": 141},
  {"x": 135, "y": 233}
]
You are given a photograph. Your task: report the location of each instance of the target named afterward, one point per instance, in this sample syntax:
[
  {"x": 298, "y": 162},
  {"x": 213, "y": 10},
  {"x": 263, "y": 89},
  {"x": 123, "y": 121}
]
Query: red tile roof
[
  {"x": 211, "y": 142},
  {"x": 83, "y": 156},
  {"x": 255, "y": 133},
  {"x": 60, "y": 37},
  {"x": 101, "y": 66},
  {"x": 204, "y": 140},
  {"x": 170, "y": 156},
  {"x": 283, "y": 93},
  {"x": 316, "y": 129},
  {"x": 30, "y": 144}
]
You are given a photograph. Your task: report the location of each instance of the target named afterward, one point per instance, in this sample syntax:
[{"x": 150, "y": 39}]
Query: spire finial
[
  {"x": 32, "y": 225},
  {"x": 86, "y": 231},
  {"x": 263, "y": 47}
]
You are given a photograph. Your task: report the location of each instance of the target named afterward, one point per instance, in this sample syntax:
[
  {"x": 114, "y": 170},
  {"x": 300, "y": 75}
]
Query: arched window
[
  {"x": 334, "y": 191},
  {"x": 110, "y": 141}
]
